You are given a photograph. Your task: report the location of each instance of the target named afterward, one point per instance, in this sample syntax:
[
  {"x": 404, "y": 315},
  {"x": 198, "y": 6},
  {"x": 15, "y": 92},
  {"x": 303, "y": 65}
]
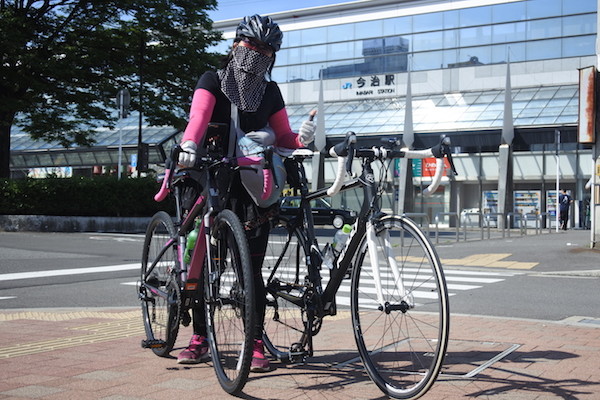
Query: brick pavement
[{"x": 96, "y": 354}]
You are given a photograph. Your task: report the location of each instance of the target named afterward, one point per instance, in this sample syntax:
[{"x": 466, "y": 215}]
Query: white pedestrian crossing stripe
[
  {"x": 68, "y": 272},
  {"x": 457, "y": 281}
]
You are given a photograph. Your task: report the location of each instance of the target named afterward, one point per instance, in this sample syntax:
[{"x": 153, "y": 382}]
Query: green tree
[{"x": 63, "y": 61}]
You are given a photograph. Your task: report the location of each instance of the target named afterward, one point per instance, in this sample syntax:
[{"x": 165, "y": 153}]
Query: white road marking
[{"x": 66, "y": 272}]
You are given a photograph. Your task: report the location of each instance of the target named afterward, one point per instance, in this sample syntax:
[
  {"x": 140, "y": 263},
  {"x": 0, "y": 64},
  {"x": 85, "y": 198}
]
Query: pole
[
  {"x": 123, "y": 99},
  {"x": 141, "y": 66},
  {"x": 120, "y": 166},
  {"x": 318, "y": 161},
  {"x": 405, "y": 179},
  {"x": 592, "y": 205},
  {"x": 140, "y": 118},
  {"x": 557, "y": 137},
  {"x": 595, "y": 153}
]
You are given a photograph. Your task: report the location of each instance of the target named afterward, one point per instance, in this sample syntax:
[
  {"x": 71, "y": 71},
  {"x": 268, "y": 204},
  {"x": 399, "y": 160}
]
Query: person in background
[
  {"x": 243, "y": 83},
  {"x": 564, "y": 203}
]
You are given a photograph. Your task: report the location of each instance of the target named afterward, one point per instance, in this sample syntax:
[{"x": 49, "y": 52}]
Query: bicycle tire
[
  {"x": 284, "y": 270},
  {"x": 229, "y": 302},
  {"x": 159, "y": 291},
  {"x": 401, "y": 348}
]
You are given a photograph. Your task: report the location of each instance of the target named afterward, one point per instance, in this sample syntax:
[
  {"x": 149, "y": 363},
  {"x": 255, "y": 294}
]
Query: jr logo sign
[{"x": 372, "y": 85}]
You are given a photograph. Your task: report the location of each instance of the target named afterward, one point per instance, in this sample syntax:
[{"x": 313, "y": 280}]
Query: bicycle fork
[{"x": 383, "y": 239}]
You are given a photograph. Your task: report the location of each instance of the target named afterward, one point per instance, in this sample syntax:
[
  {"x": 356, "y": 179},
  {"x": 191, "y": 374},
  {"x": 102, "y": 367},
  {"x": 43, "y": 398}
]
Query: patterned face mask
[{"x": 243, "y": 80}]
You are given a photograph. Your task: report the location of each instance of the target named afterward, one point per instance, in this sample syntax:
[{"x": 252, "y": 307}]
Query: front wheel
[
  {"x": 159, "y": 289},
  {"x": 229, "y": 294},
  {"x": 402, "y": 331}
]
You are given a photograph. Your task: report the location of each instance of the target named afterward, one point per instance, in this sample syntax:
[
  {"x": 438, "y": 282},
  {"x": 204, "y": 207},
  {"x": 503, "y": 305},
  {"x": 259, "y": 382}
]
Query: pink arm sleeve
[
  {"x": 281, "y": 125},
  {"x": 203, "y": 104}
]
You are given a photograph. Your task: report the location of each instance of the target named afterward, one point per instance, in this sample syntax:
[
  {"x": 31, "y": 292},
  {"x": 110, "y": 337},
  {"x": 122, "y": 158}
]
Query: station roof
[
  {"x": 435, "y": 113},
  {"x": 538, "y": 106}
]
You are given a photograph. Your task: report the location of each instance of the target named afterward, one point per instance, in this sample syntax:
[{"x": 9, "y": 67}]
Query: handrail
[
  {"x": 537, "y": 220},
  {"x": 508, "y": 221},
  {"x": 468, "y": 215},
  {"x": 437, "y": 224},
  {"x": 548, "y": 221},
  {"x": 504, "y": 223},
  {"x": 498, "y": 219}
]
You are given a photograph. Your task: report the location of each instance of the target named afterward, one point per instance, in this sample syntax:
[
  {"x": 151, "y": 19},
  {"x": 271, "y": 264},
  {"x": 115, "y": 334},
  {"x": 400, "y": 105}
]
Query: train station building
[
  {"x": 466, "y": 61},
  {"x": 501, "y": 78}
]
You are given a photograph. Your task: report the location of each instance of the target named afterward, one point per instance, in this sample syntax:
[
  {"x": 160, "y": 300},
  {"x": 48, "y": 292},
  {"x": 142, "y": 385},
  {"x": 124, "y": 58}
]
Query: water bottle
[
  {"x": 333, "y": 250},
  {"x": 328, "y": 256},
  {"x": 191, "y": 240},
  {"x": 340, "y": 239}
]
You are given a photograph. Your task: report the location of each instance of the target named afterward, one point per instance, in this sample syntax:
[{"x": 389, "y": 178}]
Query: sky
[{"x": 228, "y": 9}]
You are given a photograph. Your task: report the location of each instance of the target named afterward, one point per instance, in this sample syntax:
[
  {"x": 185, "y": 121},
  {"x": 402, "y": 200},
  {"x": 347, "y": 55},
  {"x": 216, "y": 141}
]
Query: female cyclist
[{"x": 243, "y": 86}]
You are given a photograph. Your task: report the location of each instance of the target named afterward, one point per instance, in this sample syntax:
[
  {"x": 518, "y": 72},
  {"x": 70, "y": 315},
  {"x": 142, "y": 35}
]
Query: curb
[{"x": 49, "y": 223}]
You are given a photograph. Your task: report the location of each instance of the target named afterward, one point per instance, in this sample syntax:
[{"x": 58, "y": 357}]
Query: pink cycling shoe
[
  {"x": 196, "y": 352},
  {"x": 259, "y": 362}
]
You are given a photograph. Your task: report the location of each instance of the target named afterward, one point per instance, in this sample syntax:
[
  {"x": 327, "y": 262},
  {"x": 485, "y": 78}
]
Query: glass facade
[
  {"x": 453, "y": 112},
  {"x": 524, "y": 31}
]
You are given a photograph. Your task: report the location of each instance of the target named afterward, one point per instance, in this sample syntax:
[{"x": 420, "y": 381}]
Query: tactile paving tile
[{"x": 121, "y": 324}]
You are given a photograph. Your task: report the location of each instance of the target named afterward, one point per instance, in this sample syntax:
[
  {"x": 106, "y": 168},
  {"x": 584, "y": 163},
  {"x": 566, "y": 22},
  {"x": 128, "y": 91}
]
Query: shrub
[{"x": 79, "y": 196}]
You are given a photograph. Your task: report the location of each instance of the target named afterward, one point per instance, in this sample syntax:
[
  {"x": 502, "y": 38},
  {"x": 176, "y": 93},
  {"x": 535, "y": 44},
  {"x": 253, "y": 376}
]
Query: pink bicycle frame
[{"x": 191, "y": 275}]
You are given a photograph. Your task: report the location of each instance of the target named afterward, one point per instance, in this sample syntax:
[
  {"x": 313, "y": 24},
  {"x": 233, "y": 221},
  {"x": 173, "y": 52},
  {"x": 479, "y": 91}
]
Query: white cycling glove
[
  {"x": 307, "y": 132},
  {"x": 187, "y": 157}
]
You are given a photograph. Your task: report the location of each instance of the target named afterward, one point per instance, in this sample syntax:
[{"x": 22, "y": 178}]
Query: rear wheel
[
  {"x": 284, "y": 270},
  {"x": 229, "y": 292},
  {"x": 402, "y": 336},
  {"x": 159, "y": 289}
]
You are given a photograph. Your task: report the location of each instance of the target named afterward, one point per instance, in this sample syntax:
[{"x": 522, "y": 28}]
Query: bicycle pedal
[
  {"x": 154, "y": 344},
  {"x": 299, "y": 358}
]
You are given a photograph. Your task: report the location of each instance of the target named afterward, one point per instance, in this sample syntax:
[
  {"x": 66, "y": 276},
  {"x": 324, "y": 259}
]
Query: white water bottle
[{"x": 340, "y": 239}]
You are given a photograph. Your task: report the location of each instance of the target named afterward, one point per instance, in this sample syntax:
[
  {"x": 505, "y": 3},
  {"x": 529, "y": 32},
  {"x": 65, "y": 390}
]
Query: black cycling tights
[{"x": 258, "y": 246}]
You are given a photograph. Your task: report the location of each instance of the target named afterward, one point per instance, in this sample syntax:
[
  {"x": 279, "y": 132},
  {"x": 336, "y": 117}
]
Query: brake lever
[
  {"x": 350, "y": 157},
  {"x": 449, "y": 156},
  {"x": 171, "y": 163},
  {"x": 392, "y": 142},
  {"x": 448, "y": 153}
]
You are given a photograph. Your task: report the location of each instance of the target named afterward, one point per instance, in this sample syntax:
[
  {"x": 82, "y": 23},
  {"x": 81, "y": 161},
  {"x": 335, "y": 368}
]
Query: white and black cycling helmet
[{"x": 261, "y": 28}]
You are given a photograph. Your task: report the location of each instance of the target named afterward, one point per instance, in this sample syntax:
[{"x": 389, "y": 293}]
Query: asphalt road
[{"x": 546, "y": 277}]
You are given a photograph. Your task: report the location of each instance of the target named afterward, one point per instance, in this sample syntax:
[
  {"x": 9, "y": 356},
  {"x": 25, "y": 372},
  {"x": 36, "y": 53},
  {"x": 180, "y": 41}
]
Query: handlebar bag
[{"x": 253, "y": 143}]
